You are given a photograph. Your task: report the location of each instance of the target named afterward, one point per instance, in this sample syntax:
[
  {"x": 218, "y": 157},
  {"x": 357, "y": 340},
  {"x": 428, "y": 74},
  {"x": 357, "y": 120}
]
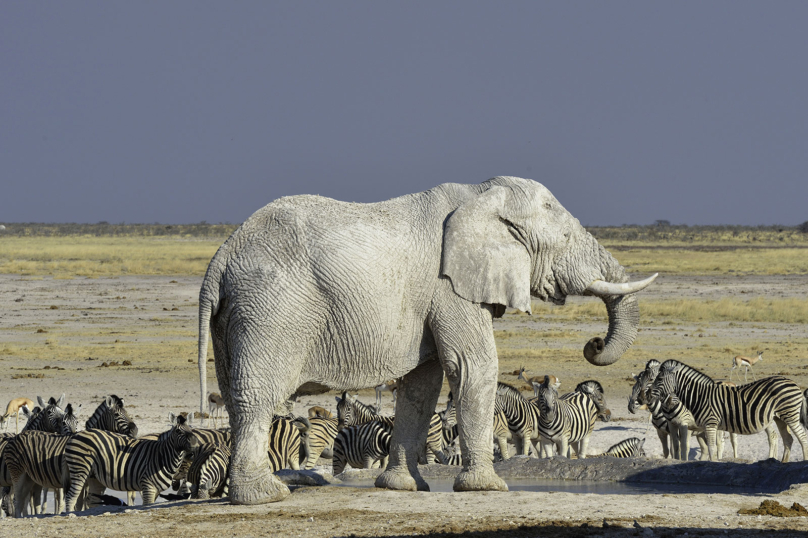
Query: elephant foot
[
  {"x": 401, "y": 480},
  {"x": 479, "y": 479},
  {"x": 260, "y": 488}
]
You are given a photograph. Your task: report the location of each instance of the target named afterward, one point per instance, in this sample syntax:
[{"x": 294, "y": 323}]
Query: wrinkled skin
[{"x": 312, "y": 294}]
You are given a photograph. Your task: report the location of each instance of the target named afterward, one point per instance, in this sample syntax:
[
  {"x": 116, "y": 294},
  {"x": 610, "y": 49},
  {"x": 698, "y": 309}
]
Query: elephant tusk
[{"x": 601, "y": 288}]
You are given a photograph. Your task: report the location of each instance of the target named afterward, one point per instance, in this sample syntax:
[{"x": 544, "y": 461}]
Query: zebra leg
[
  {"x": 583, "y": 446},
  {"x": 719, "y": 443},
  {"x": 771, "y": 432},
  {"x": 733, "y": 439},
  {"x": 702, "y": 440},
  {"x": 788, "y": 440},
  {"x": 710, "y": 433},
  {"x": 673, "y": 435},
  {"x": 148, "y": 494},
  {"x": 663, "y": 438},
  {"x": 22, "y": 495},
  {"x": 415, "y": 405},
  {"x": 684, "y": 443}
]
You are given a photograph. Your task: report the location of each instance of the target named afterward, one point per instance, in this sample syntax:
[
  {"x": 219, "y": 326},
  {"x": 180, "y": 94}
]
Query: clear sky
[{"x": 184, "y": 111}]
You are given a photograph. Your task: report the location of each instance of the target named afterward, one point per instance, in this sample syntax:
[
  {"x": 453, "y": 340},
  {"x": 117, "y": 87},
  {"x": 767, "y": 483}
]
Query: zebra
[
  {"x": 627, "y": 448},
  {"x": 111, "y": 416},
  {"x": 321, "y": 436},
  {"x": 361, "y": 445},
  {"x": 681, "y": 423},
  {"x": 48, "y": 418},
  {"x": 521, "y": 416},
  {"x": 121, "y": 463},
  {"x": 351, "y": 411},
  {"x": 208, "y": 472},
  {"x": 760, "y": 405},
  {"x": 286, "y": 438},
  {"x": 35, "y": 460},
  {"x": 568, "y": 421}
]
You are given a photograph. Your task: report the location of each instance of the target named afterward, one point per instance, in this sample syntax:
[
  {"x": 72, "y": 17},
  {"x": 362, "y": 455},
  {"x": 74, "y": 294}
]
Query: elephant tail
[{"x": 205, "y": 309}]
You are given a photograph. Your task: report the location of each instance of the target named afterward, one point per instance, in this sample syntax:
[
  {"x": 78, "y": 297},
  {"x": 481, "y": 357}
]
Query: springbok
[
  {"x": 215, "y": 406},
  {"x": 537, "y": 380},
  {"x": 391, "y": 386},
  {"x": 319, "y": 412},
  {"x": 14, "y": 407},
  {"x": 745, "y": 362}
]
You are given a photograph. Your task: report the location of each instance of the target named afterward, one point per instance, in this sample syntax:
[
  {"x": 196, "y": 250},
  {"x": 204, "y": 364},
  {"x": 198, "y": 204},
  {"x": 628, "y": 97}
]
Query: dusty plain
[{"x": 56, "y": 334}]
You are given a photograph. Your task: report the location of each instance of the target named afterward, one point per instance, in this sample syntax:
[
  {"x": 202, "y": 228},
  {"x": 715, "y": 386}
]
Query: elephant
[{"x": 312, "y": 294}]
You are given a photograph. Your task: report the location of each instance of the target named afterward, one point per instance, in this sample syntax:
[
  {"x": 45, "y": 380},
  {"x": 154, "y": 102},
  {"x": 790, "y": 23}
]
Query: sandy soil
[{"x": 90, "y": 321}]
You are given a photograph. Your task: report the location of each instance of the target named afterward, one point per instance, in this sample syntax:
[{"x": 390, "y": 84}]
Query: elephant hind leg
[{"x": 417, "y": 397}]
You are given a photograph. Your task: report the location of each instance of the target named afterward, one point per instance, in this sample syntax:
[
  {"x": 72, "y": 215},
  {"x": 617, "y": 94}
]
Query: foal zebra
[
  {"x": 208, "y": 472},
  {"x": 124, "y": 464},
  {"x": 627, "y": 448},
  {"x": 568, "y": 421},
  {"x": 284, "y": 443},
  {"x": 681, "y": 423},
  {"x": 760, "y": 405}
]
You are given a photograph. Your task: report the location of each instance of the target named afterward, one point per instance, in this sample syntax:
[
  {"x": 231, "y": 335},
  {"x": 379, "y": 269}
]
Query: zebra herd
[
  {"x": 51, "y": 454},
  {"x": 682, "y": 400}
]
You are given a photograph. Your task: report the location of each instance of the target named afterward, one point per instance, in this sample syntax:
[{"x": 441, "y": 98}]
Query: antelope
[
  {"x": 537, "y": 380},
  {"x": 745, "y": 362},
  {"x": 215, "y": 406},
  {"x": 14, "y": 407},
  {"x": 319, "y": 412},
  {"x": 391, "y": 386}
]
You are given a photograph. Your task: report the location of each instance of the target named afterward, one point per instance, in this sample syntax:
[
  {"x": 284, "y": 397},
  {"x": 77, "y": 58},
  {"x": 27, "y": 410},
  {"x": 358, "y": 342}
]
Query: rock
[{"x": 305, "y": 478}]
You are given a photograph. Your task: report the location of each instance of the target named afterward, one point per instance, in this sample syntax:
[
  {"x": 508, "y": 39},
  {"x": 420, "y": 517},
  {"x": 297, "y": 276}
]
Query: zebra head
[
  {"x": 594, "y": 391},
  {"x": 181, "y": 437},
  {"x": 117, "y": 417},
  {"x": 351, "y": 411},
  {"x": 666, "y": 382},
  {"x": 51, "y": 414},
  {"x": 70, "y": 422},
  {"x": 642, "y": 383},
  {"x": 449, "y": 418},
  {"x": 548, "y": 400}
]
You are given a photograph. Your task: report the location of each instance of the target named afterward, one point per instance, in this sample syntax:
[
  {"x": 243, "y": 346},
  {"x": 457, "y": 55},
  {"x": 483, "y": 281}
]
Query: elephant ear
[{"x": 482, "y": 255}]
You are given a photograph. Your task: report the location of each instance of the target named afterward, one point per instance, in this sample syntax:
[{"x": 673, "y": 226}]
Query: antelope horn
[{"x": 601, "y": 288}]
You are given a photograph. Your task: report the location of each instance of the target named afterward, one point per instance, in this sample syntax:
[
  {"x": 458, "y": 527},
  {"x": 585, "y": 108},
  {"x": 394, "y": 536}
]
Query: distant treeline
[
  {"x": 659, "y": 232},
  {"x": 105, "y": 229}
]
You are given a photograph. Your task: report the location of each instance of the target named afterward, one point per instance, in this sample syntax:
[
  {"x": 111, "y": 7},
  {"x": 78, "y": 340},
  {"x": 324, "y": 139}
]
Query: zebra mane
[
  {"x": 504, "y": 389},
  {"x": 596, "y": 384},
  {"x": 693, "y": 374},
  {"x": 651, "y": 364}
]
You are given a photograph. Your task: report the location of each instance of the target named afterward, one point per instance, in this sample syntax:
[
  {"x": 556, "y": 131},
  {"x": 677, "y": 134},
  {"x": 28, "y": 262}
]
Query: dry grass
[{"x": 65, "y": 257}]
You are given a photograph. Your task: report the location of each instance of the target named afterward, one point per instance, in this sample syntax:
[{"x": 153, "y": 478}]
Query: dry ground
[{"x": 64, "y": 330}]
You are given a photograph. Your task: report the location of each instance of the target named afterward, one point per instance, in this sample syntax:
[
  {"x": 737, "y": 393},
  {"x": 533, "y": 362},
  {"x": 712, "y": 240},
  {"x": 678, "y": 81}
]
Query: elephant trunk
[{"x": 624, "y": 320}]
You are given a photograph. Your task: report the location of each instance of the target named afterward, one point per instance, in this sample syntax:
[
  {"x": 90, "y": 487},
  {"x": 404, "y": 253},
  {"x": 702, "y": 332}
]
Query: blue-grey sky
[{"x": 184, "y": 111}]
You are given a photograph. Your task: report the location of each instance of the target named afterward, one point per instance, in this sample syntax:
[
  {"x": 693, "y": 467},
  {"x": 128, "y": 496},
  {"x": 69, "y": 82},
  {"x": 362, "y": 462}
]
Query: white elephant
[{"x": 311, "y": 294}]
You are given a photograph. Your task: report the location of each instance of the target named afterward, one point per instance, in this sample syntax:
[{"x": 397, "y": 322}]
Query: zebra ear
[
  {"x": 41, "y": 402},
  {"x": 61, "y": 400},
  {"x": 172, "y": 418},
  {"x": 25, "y": 411},
  {"x": 77, "y": 410},
  {"x": 338, "y": 399},
  {"x": 110, "y": 401}
]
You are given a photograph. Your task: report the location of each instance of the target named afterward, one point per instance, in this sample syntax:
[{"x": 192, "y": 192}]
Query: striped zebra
[
  {"x": 351, "y": 411},
  {"x": 765, "y": 404},
  {"x": 567, "y": 422},
  {"x": 111, "y": 416},
  {"x": 681, "y": 423},
  {"x": 627, "y": 448},
  {"x": 208, "y": 472},
  {"x": 286, "y": 445},
  {"x": 49, "y": 417},
  {"x": 522, "y": 417},
  {"x": 121, "y": 463},
  {"x": 321, "y": 434},
  {"x": 362, "y": 445}
]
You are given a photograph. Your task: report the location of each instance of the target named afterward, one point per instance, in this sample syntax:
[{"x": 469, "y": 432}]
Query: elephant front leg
[
  {"x": 415, "y": 404},
  {"x": 251, "y": 478}
]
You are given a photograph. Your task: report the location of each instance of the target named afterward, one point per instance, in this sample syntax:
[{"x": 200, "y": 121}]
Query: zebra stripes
[
  {"x": 351, "y": 411},
  {"x": 110, "y": 415},
  {"x": 627, "y": 448},
  {"x": 35, "y": 461},
  {"x": 121, "y": 463},
  {"x": 208, "y": 472},
  {"x": 761, "y": 405},
  {"x": 284, "y": 443},
  {"x": 361, "y": 445},
  {"x": 321, "y": 436},
  {"x": 568, "y": 421},
  {"x": 522, "y": 417}
]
